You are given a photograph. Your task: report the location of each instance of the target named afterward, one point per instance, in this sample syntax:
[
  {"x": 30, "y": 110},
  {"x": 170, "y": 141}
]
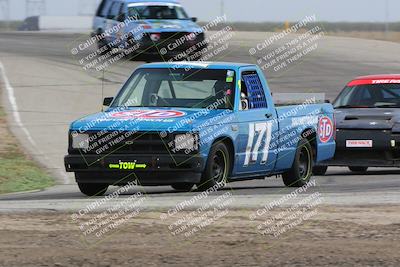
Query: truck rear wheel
[
  {"x": 93, "y": 189},
  {"x": 217, "y": 167},
  {"x": 301, "y": 171},
  {"x": 358, "y": 169},
  {"x": 320, "y": 170}
]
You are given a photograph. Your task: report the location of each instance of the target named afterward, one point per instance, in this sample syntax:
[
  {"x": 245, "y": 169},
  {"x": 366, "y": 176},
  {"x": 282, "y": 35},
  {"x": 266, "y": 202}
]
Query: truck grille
[
  {"x": 167, "y": 38},
  {"x": 126, "y": 143}
]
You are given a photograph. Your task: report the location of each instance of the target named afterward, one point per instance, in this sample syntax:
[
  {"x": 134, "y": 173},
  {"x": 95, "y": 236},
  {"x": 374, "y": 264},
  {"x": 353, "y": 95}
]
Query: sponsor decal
[
  {"x": 122, "y": 165},
  {"x": 385, "y": 81},
  {"x": 306, "y": 120},
  {"x": 379, "y": 81},
  {"x": 325, "y": 129},
  {"x": 359, "y": 143},
  {"x": 148, "y": 114}
]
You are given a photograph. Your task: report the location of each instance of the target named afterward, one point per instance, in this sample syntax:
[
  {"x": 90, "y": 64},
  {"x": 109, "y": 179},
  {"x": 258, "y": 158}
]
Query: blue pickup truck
[
  {"x": 149, "y": 27},
  {"x": 185, "y": 124}
]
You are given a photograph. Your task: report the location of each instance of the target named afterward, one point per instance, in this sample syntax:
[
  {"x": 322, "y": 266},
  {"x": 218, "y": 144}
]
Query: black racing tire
[
  {"x": 301, "y": 171},
  {"x": 358, "y": 169},
  {"x": 93, "y": 189},
  {"x": 183, "y": 187},
  {"x": 103, "y": 43},
  {"x": 217, "y": 167},
  {"x": 320, "y": 170}
]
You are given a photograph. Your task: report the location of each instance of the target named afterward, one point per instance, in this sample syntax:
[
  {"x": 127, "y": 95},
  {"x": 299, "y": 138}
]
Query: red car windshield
[{"x": 369, "y": 96}]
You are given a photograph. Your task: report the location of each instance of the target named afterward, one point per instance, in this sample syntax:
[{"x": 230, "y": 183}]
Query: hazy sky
[{"x": 245, "y": 10}]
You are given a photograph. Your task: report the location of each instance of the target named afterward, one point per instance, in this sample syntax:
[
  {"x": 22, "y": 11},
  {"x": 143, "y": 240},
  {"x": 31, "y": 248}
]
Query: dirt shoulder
[
  {"x": 18, "y": 172},
  {"x": 335, "y": 236}
]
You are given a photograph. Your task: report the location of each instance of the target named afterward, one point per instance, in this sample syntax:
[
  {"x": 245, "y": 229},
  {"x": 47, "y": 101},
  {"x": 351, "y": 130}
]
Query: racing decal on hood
[
  {"x": 164, "y": 24},
  {"x": 325, "y": 129},
  {"x": 148, "y": 114}
]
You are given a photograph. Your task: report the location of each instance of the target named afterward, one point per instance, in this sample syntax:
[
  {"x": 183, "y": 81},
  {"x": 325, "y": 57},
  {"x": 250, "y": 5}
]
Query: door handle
[{"x": 268, "y": 115}]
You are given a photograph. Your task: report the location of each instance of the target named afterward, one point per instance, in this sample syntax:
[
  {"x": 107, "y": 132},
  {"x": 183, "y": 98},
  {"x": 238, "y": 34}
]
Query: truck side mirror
[
  {"x": 107, "y": 101},
  {"x": 194, "y": 19}
]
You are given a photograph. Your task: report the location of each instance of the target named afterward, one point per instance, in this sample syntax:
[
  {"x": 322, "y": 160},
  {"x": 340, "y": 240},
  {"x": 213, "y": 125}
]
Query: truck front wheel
[
  {"x": 217, "y": 167},
  {"x": 301, "y": 171},
  {"x": 93, "y": 189},
  {"x": 358, "y": 169}
]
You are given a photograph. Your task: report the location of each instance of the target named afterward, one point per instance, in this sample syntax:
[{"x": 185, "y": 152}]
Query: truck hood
[
  {"x": 170, "y": 25},
  {"x": 148, "y": 119},
  {"x": 366, "y": 118}
]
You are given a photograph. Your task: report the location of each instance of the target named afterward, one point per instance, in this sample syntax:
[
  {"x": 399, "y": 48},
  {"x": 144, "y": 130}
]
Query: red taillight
[{"x": 145, "y": 26}]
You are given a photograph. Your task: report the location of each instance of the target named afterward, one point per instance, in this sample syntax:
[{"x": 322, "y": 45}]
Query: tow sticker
[
  {"x": 121, "y": 165},
  {"x": 325, "y": 129},
  {"x": 148, "y": 114}
]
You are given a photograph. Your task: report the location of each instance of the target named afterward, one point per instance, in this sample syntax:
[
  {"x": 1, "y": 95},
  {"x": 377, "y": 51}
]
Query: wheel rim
[
  {"x": 219, "y": 167},
  {"x": 304, "y": 163}
]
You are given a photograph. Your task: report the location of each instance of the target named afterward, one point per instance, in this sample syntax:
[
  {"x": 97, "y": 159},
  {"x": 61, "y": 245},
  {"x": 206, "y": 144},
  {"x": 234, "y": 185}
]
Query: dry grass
[
  {"x": 390, "y": 36},
  {"x": 17, "y": 171}
]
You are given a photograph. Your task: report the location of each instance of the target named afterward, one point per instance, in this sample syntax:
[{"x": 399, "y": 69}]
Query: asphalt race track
[{"x": 51, "y": 89}]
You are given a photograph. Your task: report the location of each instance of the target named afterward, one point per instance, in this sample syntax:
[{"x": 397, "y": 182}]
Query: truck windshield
[
  {"x": 369, "y": 96},
  {"x": 158, "y": 12},
  {"x": 194, "y": 88}
]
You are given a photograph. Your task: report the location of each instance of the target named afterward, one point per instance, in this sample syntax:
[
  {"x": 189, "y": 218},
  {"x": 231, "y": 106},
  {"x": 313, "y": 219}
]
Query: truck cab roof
[
  {"x": 151, "y": 1},
  {"x": 198, "y": 65}
]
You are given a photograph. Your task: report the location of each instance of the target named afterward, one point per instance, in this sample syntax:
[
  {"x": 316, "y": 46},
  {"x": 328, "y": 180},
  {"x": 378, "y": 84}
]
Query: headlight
[
  {"x": 80, "y": 141},
  {"x": 155, "y": 37},
  {"x": 191, "y": 37},
  {"x": 186, "y": 142}
]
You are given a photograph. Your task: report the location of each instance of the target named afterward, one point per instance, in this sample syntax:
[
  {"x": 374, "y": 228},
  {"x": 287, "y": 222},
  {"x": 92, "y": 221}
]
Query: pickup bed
[{"x": 205, "y": 124}]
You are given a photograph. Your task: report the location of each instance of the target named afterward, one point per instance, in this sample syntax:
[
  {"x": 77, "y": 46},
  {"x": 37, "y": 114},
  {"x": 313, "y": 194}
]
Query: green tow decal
[{"x": 127, "y": 166}]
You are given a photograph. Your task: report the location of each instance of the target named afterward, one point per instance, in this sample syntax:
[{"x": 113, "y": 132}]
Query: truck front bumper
[{"x": 119, "y": 169}]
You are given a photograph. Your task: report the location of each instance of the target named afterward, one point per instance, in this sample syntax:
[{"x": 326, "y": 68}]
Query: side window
[
  {"x": 102, "y": 10},
  {"x": 121, "y": 14},
  {"x": 114, "y": 10},
  {"x": 252, "y": 94},
  {"x": 134, "y": 98}
]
